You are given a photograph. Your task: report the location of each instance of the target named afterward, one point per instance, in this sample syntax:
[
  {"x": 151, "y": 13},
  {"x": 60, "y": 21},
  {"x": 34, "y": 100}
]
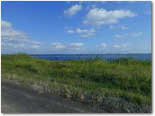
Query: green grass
[{"x": 126, "y": 79}]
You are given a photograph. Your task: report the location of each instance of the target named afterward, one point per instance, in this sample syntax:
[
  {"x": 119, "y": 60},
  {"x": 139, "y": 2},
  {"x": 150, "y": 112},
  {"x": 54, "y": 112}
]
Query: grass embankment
[{"x": 124, "y": 84}]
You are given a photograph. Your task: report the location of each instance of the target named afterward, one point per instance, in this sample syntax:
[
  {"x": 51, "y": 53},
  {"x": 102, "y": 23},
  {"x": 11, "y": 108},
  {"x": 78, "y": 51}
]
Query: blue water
[{"x": 93, "y": 56}]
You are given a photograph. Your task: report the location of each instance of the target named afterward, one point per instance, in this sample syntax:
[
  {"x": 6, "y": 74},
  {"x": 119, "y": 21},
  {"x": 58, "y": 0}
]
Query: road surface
[{"x": 15, "y": 99}]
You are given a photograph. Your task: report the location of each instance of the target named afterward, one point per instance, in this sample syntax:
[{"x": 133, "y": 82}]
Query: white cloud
[
  {"x": 82, "y": 32},
  {"x": 121, "y": 27},
  {"x": 10, "y": 34},
  {"x": 58, "y": 45},
  {"x": 137, "y": 34},
  {"x": 113, "y": 47},
  {"x": 36, "y": 42},
  {"x": 5, "y": 24},
  {"x": 76, "y": 44},
  {"x": 35, "y": 46},
  {"x": 91, "y": 6},
  {"x": 124, "y": 27},
  {"x": 133, "y": 34},
  {"x": 71, "y": 46},
  {"x": 70, "y": 31},
  {"x": 118, "y": 46},
  {"x": 101, "y": 16},
  {"x": 73, "y": 10},
  {"x": 14, "y": 40},
  {"x": 103, "y": 45}
]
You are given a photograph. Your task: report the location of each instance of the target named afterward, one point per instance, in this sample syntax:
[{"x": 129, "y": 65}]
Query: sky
[{"x": 76, "y": 27}]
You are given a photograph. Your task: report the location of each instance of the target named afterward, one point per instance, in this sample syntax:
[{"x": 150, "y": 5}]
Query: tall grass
[{"x": 127, "y": 79}]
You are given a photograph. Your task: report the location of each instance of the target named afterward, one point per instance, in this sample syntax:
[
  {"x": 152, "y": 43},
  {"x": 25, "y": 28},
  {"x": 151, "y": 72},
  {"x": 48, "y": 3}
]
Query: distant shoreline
[
  {"x": 108, "y": 57},
  {"x": 81, "y": 54}
]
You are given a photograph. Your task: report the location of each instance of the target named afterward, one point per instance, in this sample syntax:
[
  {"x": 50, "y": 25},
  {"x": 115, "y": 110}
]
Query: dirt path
[{"x": 15, "y": 99}]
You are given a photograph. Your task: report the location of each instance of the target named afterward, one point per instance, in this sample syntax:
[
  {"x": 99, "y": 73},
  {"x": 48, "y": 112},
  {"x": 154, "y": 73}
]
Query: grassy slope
[{"x": 127, "y": 79}]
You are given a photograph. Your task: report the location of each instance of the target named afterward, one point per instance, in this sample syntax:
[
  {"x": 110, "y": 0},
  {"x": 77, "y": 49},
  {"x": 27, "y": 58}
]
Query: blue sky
[{"x": 76, "y": 27}]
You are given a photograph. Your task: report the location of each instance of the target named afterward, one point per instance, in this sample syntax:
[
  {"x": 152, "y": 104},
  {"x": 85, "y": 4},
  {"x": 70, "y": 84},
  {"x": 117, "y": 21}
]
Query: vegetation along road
[
  {"x": 21, "y": 100},
  {"x": 123, "y": 85}
]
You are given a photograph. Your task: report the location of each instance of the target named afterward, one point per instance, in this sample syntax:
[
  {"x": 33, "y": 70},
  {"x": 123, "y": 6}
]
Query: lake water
[{"x": 93, "y": 56}]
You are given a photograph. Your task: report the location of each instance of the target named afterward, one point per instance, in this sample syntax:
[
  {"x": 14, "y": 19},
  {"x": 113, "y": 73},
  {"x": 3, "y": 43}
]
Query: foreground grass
[{"x": 124, "y": 81}]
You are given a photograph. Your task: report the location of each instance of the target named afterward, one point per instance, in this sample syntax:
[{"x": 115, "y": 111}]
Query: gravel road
[{"x": 15, "y": 99}]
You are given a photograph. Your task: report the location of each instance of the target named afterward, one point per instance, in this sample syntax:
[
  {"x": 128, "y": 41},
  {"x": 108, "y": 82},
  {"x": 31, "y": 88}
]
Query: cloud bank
[
  {"x": 73, "y": 10},
  {"x": 101, "y": 16},
  {"x": 84, "y": 33}
]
